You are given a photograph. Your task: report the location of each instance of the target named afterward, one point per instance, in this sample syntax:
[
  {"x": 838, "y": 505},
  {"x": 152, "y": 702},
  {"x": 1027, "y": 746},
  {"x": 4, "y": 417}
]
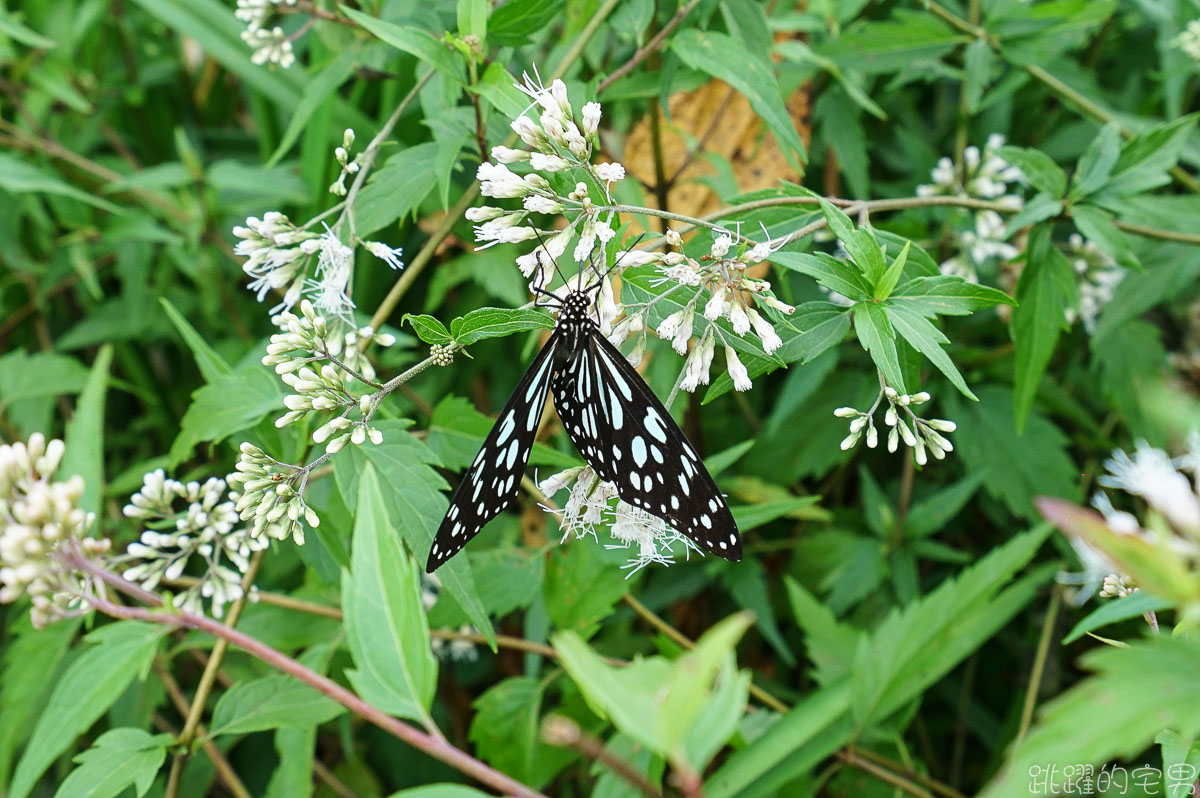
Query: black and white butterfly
[{"x": 617, "y": 424}]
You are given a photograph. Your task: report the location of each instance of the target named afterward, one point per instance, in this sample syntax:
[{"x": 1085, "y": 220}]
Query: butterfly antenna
[{"x": 542, "y": 243}]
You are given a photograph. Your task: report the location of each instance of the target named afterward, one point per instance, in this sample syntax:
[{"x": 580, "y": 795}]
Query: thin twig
[
  {"x": 220, "y": 764},
  {"x": 565, "y": 733},
  {"x": 648, "y": 48},
  {"x": 850, "y": 757},
  {"x": 1039, "y": 665},
  {"x": 436, "y": 747}
]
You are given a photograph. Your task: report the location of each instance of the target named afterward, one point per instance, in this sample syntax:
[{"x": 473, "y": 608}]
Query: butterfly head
[{"x": 575, "y": 308}]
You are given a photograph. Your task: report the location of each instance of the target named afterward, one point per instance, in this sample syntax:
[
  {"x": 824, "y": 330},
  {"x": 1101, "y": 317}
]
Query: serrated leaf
[
  {"x": 724, "y": 57},
  {"x": 1038, "y": 320},
  {"x": 936, "y": 510},
  {"x": 1038, "y": 167},
  {"x": 512, "y": 23},
  {"x": 837, "y": 275},
  {"x": 876, "y": 335},
  {"x": 893, "y": 45},
  {"x": 928, "y": 340},
  {"x": 428, "y": 329},
  {"x": 386, "y": 627},
  {"x": 887, "y": 282},
  {"x": 946, "y": 295},
  {"x": 120, "y": 652},
  {"x": 1147, "y": 158},
  {"x": 506, "y": 732},
  {"x": 497, "y": 323},
  {"x": 1097, "y": 161},
  {"x": 1097, "y": 227},
  {"x": 271, "y": 702},
  {"x": 119, "y": 759},
  {"x": 413, "y": 41},
  {"x": 229, "y": 404},
  {"x": 1039, "y": 209},
  {"x": 395, "y": 189}
]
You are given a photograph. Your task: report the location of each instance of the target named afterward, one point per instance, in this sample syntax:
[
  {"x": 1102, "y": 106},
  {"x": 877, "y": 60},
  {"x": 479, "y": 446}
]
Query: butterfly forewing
[
  {"x": 493, "y": 480},
  {"x": 626, "y": 434}
]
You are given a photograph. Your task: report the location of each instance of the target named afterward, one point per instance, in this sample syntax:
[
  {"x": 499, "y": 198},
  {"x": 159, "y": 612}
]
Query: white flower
[
  {"x": 610, "y": 172},
  {"x": 548, "y": 162},
  {"x": 721, "y": 245},
  {"x": 697, "y": 366},
  {"x": 591, "y": 118},
  {"x": 737, "y": 371},
  {"x": 1189, "y": 40},
  {"x": 270, "y": 46},
  {"x": 502, "y": 154},
  {"x": 539, "y": 204},
  {"x": 498, "y": 181},
  {"x": 739, "y": 319},
  {"x": 766, "y": 331},
  {"x": 1151, "y": 475},
  {"x": 385, "y": 253}
]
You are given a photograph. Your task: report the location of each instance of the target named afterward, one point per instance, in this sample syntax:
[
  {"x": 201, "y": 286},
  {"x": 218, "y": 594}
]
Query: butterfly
[{"x": 615, "y": 421}]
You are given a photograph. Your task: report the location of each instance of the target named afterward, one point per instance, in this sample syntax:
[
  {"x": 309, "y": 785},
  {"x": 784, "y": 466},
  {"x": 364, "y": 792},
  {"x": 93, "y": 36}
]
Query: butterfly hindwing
[
  {"x": 629, "y": 438},
  {"x": 493, "y": 480}
]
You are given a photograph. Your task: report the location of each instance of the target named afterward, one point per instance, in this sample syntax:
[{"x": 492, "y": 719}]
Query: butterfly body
[{"x": 619, "y": 427}]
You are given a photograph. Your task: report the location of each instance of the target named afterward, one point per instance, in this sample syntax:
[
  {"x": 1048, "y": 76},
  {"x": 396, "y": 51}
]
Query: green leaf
[
  {"x": 1114, "y": 611},
  {"x": 752, "y": 516},
  {"x": 748, "y": 586},
  {"x": 271, "y": 702},
  {"x": 316, "y": 91},
  {"x": 1110, "y": 714},
  {"x": 415, "y": 504},
  {"x": 978, "y": 60},
  {"x": 497, "y": 323},
  {"x": 1039, "y": 209},
  {"x": 386, "y": 627},
  {"x": 473, "y": 20},
  {"x": 796, "y": 50},
  {"x": 1147, "y": 158},
  {"x": 1038, "y": 167},
  {"x": 120, "y": 652},
  {"x": 457, "y": 430},
  {"x": 30, "y": 662},
  {"x": 14, "y": 29},
  {"x": 1038, "y": 320},
  {"x": 1098, "y": 161},
  {"x": 84, "y": 438},
  {"x": 946, "y": 295},
  {"x": 211, "y": 364},
  {"x": 876, "y": 335},
  {"x": 1015, "y": 467},
  {"x": 428, "y": 329},
  {"x": 413, "y": 41},
  {"x": 41, "y": 374},
  {"x": 496, "y": 84},
  {"x": 581, "y": 588},
  {"x": 120, "y": 758},
  {"x": 21, "y": 177},
  {"x": 506, "y": 731},
  {"x": 930, "y": 514},
  {"x": 928, "y": 340},
  {"x": 1097, "y": 226},
  {"x": 512, "y": 23},
  {"x": 832, "y": 273},
  {"x": 830, "y": 644},
  {"x": 887, "y": 282},
  {"x": 440, "y": 791},
  {"x": 229, "y": 404},
  {"x": 395, "y": 189},
  {"x": 891, "y": 46},
  {"x": 724, "y": 57},
  {"x": 652, "y": 700},
  {"x": 1181, "y": 762}
]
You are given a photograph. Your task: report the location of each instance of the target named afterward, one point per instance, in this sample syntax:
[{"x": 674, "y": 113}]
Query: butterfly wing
[
  {"x": 492, "y": 482},
  {"x": 627, "y": 436}
]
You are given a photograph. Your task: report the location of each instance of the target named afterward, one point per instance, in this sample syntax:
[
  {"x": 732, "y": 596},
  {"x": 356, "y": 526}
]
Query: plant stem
[
  {"x": 850, "y": 757},
  {"x": 1039, "y": 666},
  {"x": 648, "y": 48},
  {"x": 434, "y": 746},
  {"x": 565, "y": 733},
  {"x": 191, "y": 724}
]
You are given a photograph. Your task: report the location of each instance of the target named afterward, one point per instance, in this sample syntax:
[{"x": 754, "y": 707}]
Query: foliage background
[{"x": 906, "y": 620}]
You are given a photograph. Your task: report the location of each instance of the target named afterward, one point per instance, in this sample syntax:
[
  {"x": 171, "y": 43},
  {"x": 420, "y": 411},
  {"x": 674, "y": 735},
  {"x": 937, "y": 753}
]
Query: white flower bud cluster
[
  {"x": 193, "y": 530},
  {"x": 924, "y": 436},
  {"x": 269, "y": 43},
  {"x": 37, "y": 516},
  {"x": 1188, "y": 40},
  {"x": 442, "y": 355},
  {"x": 349, "y": 167},
  {"x": 985, "y": 175},
  {"x": 1117, "y": 586},
  {"x": 304, "y": 341},
  {"x": 1098, "y": 275},
  {"x": 277, "y": 254},
  {"x": 456, "y": 649},
  {"x": 555, "y": 142},
  {"x": 590, "y": 504},
  {"x": 270, "y": 497}
]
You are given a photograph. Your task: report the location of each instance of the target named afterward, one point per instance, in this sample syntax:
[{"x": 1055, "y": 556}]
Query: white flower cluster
[
  {"x": 1173, "y": 501},
  {"x": 720, "y": 280},
  {"x": 349, "y": 167},
  {"x": 590, "y": 504},
  {"x": 305, "y": 341},
  {"x": 270, "y": 495},
  {"x": 190, "y": 525},
  {"x": 986, "y": 176},
  {"x": 1188, "y": 40},
  {"x": 454, "y": 649},
  {"x": 269, "y": 43},
  {"x": 1098, "y": 276},
  {"x": 37, "y": 516},
  {"x": 556, "y": 143},
  {"x": 278, "y": 254},
  {"x": 924, "y": 436}
]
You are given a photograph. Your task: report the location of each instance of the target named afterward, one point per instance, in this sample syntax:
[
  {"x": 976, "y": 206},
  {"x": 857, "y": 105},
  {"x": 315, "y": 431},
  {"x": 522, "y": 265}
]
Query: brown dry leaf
[{"x": 721, "y": 120}]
